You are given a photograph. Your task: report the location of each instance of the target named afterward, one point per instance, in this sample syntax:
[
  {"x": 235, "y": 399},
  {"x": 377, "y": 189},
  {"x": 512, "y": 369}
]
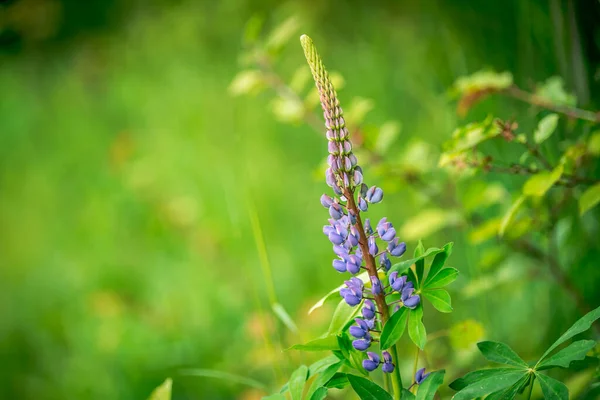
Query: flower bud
[{"x": 376, "y": 287}]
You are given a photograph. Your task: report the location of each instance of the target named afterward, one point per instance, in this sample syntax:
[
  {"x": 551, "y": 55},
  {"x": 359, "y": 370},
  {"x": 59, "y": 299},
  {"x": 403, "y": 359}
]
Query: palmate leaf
[
  {"x": 443, "y": 278},
  {"x": 510, "y": 392},
  {"x": 416, "y": 328},
  {"x": 430, "y": 385},
  {"x": 479, "y": 375},
  {"x": 394, "y": 328},
  {"x": 490, "y": 384},
  {"x": 583, "y": 324},
  {"x": 404, "y": 265},
  {"x": 338, "y": 381},
  {"x": 367, "y": 390},
  {"x": 316, "y": 387},
  {"x": 501, "y": 353},
  {"x": 439, "y": 298},
  {"x": 573, "y": 352},
  {"x": 552, "y": 389},
  {"x": 438, "y": 263}
]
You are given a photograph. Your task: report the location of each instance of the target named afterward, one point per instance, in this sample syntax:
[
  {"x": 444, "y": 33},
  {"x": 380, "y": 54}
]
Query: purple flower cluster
[{"x": 406, "y": 290}]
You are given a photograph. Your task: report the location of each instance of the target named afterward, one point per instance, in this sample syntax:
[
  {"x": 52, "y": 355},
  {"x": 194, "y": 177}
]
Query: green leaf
[
  {"x": 483, "y": 80},
  {"x": 281, "y": 34},
  {"x": 322, "y": 379},
  {"x": 430, "y": 385},
  {"x": 573, "y": 352},
  {"x": 541, "y": 182},
  {"x": 353, "y": 356},
  {"x": 553, "y": 389},
  {"x": 510, "y": 215},
  {"x": 367, "y": 390},
  {"x": 275, "y": 396},
  {"x": 404, "y": 265},
  {"x": 322, "y": 343},
  {"x": 438, "y": 263},
  {"x": 416, "y": 328},
  {"x": 335, "y": 293},
  {"x": 500, "y": 353},
  {"x": 338, "y": 381},
  {"x": 163, "y": 392},
  {"x": 342, "y": 315},
  {"x": 284, "y": 317},
  {"x": 476, "y": 376},
  {"x": 439, "y": 298},
  {"x": 297, "y": 381},
  {"x": 319, "y": 394},
  {"x": 468, "y": 136},
  {"x": 510, "y": 392},
  {"x": 441, "y": 279},
  {"x": 420, "y": 263},
  {"x": 583, "y": 324},
  {"x": 589, "y": 198},
  {"x": 419, "y": 250},
  {"x": 394, "y": 328},
  {"x": 488, "y": 385},
  {"x": 545, "y": 128},
  {"x": 232, "y": 378}
]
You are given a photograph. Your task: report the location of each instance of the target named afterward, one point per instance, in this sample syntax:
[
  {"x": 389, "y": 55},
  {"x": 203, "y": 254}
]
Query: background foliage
[{"x": 154, "y": 225}]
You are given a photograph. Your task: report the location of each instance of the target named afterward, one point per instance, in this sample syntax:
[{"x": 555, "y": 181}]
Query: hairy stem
[{"x": 379, "y": 298}]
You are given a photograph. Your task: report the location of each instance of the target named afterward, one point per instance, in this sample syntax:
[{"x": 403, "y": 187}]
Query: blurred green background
[{"x": 148, "y": 219}]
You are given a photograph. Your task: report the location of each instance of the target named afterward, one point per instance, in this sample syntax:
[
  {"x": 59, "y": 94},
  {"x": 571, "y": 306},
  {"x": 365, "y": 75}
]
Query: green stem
[
  {"x": 416, "y": 364},
  {"x": 396, "y": 377}
]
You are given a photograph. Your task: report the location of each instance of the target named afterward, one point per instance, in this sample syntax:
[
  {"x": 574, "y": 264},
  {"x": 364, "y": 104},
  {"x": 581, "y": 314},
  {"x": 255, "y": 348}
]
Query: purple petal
[
  {"x": 361, "y": 344},
  {"x": 369, "y": 365},
  {"x": 388, "y": 368},
  {"x": 339, "y": 265},
  {"x": 373, "y": 357},
  {"x": 412, "y": 302},
  {"x": 389, "y": 235},
  {"x": 357, "y": 332},
  {"x": 377, "y": 196}
]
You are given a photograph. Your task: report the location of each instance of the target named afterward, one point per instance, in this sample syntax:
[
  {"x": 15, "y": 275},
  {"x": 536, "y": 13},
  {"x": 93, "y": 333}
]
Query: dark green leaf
[
  {"x": 406, "y": 395},
  {"x": 488, "y": 385},
  {"x": 338, "y": 381},
  {"x": 574, "y": 351},
  {"x": 553, "y": 389},
  {"x": 430, "y": 385},
  {"x": 438, "y": 263},
  {"x": 583, "y": 324},
  {"x": 367, "y": 390},
  {"x": 510, "y": 392},
  {"x": 404, "y": 265},
  {"x": 322, "y": 379},
  {"x": 476, "y": 376},
  {"x": 323, "y": 343},
  {"x": 342, "y": 316},
  {"x": 319, "y": 394},
  {"x": 297, "y": 381},
  {"x": 439, "y": 298},
  {"x": 416, "y": 329},
  {"x": 394, "y": 328},
  {"x": 442, "y": 278},
  {"x": 501, "y": 353}
]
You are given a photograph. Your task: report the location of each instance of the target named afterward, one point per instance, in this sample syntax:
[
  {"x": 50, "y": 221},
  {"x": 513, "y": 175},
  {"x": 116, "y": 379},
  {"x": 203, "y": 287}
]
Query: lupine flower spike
[{"x": 356, "y": 245}]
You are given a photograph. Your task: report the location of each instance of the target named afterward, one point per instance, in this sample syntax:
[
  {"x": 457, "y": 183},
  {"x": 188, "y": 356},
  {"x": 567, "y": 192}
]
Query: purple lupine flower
[
  {"x": 396, "y": 249},
  {"x": 353, "y": 291},
  {"x": 408, "y": 299},
  {"x": 374, "y": 195},
  {"x": 371, "y": 363},
  {"x": 368, "y": 311},
  {"x": 361, "y": 329},
  {"x": 352, "y": 217},
  {"x": 388, "y": 365},
  {"x": 362, "y": 344},
  {"x": 336, "y": 211},
  {"x": 353, "y": 264},
  {"x": 376, "y": 287},
  {"x": 396, "y": 283},
  {"x": 385, "y": 262},
  {"x": 339, "y": 265},
  {"x": 362, "y": 204},
  {"x": 420, "y": 376},
  {"x": 386, "y": 230},
  {"x": 353, "y": 236},
  {"x": 340, "y": 251},
  {"x": 373, "y": 249},
  {"x": 357, "y": 178},
  {"x": 326, "y": 201}
]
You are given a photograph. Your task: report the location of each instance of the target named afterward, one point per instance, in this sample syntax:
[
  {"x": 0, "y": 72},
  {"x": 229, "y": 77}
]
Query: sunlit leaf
[
  {"x": 394, "y": 328},
  {"x": 593, "y": 144},
  {"x": 436, "y": 266},
  {"x": 539, "y": 183},
  {"x": 297, "y": 381},
  {"x": 545, "y": 128},
  {"x": 324, "y": 343},
  {"x": 416, "y": 328},
  {"x": 466, "y": 333},
  {"x": 589, "y": 199},
  {"x": 510, "y": 215},
  {"x": 287, "y": 109},
  {"x": 163, "y": 392},
  {"x": 482, "y": 80},
  {"x": 247, "y": 82},
  {"x": 582, "y": 324},
  {"x": 552, "y": 389},
  {"x": 468, "y": 136},
  {"x": 316, "y": 387},
  {"x": 553, "y": 91},
  {"x": 367, "y": 390},
  {"x": 500, "y": 353},
  {"x": 439, "y": 298},
  {"x": 564, "y": 358}
]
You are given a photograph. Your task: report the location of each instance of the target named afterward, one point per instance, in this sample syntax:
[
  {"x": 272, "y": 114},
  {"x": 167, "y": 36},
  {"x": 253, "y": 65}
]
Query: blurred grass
[{"x": 127, "y": 245}]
